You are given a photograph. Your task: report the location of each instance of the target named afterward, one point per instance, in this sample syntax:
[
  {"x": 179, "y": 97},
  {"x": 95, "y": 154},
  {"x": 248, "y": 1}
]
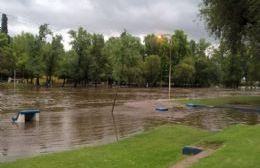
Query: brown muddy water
[{"x": 72, "y": 118}]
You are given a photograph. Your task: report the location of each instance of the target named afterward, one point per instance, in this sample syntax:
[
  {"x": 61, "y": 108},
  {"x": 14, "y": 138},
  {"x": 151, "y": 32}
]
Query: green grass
[
  {"x": 238, "y": 146},
  {"x": 156, "y": 148},
  {"x": 243, "y": 100},
  {"x": 241, "y": 148}
]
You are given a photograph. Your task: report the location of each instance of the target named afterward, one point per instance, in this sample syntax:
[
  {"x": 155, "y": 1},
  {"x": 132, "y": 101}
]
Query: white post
[
  {"x": 37, "y": 117},
  {"x": 21, "y": 118},
  {"x": 14, "y": 78}
]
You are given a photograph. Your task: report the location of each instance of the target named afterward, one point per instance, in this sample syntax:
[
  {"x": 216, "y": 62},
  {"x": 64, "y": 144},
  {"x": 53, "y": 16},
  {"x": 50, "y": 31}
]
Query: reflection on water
[{"x": 74, "y": 117}]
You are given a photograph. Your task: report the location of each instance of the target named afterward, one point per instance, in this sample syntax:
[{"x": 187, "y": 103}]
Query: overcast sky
[{"x": 110, "y": 17}]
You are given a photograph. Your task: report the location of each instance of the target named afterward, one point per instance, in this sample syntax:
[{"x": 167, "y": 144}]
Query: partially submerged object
[
  {"x": 191, "y": 150},
  {"x": 196, "y": 105},
  {"x": 27, "y": 115},
  {"x": 161, "y": 109}
]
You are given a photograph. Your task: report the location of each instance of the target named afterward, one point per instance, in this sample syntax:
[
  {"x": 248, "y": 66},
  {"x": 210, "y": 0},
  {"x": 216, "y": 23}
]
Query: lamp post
[
  {"x": 170, "y": 68},
  {"x": 168, "y": 36}
]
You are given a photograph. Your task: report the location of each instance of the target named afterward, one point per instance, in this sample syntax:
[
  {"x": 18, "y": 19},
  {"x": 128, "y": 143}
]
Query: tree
[
  {"x": 152, "y": 45},
  {"x": 4, "y": 24},
  {"x": 201, "y": 48},
  {"x": 130, "y": 58},
  {"x": 35, "y": 62},
  {"x": 193, "y": 48},
  {"x": 22, "y": 46},
  {"x": 66, "y": 66},
  {"x": 52, "y": 53},
  {"x": 204, "y": 66},
  {"x": 110, "y": 51},
  {"x": 160, "y": 46},
  {"x": 184, "y": 72},
  {"x": 43, "y": 32},
  {"x": 236, "y": 23},
  {"x": 206, "y": 72},
  {"x": 124, "y": 56},
  {"x": 152, "y": 68},
  {"x": 99, "y": 60},
  {"x": 180, "y": 46},
  {"x": 81, "y": 44},
  {"x": 7, "y": 59}
]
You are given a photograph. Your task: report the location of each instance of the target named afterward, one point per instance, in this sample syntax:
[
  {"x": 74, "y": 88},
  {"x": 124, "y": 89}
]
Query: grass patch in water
[{"x": 241, "y": 100}]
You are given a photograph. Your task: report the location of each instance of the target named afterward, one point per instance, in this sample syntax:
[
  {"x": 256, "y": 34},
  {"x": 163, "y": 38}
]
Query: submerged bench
[
  {"x": 196, "y": 105},
  {"x": 27, "y": 115},
  {"x": 191, "y": 150},
  {"x": 161, "y": 109}
]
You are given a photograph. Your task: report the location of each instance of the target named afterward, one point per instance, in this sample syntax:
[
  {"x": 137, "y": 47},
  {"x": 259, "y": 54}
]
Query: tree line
[
  {"x": 126, "y": 60},
  {"x": 237, "y": 25}
]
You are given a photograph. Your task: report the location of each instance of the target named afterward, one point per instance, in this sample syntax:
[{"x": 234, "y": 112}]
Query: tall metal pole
[
  {"x": 170, "y": 61},
  {"x": 170, "y": 69}
]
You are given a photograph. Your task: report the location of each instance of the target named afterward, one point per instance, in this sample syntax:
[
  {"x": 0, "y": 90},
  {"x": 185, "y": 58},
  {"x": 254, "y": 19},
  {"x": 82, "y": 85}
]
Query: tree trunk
[
  {"x": 95, "y": 83},
  {"x": 64, "y": 81},
  {"x": 47, "y": 82},
  {"x": 86, "y": 81},
  {"x": 75, "y": 83},
  {"x": 37, "y": 82}
]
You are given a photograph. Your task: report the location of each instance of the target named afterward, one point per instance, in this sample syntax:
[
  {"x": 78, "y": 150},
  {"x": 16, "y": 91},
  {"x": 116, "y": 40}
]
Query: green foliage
[
  {"x": 184, "y": 72},
  {"x": 152, "y": 67},
  {"x": 207, "y": 72},
  {"x": 22, "y": 46},
  {"x": 64, "y": 67},
  {"x": 160, "y": 46},
  {"x": 7, "y": 59},
  {"x": 237, "y": 24},
  {"x": 81, "y": 44},
  {"x": 99, "y": 60},
  {"x": 43, "y": 32},
  {"x": 110, "y": 51},
  {"x": 153, "y": 45},
  {"x": 201, "y": 48},
  {"x": 181, "y": 47},
  {"x": 3, "y": 40},
  {"x": 125, "y": 60},
  {"x": 124, "y": 54},
  {"x": 52, "y": 54},
  {"x": 4, "y": 24}
]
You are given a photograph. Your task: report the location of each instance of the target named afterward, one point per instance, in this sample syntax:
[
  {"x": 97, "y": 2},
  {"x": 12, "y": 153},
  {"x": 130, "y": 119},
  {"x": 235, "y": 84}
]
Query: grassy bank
[
  {"x": 242, "y": 100},
  {"x": 240, "y": 148},
  {"x": 159, "y": 147}
]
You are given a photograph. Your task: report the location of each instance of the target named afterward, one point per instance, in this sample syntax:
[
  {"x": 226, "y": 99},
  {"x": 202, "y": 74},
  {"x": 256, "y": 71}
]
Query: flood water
[{"x": 71, "y": 118}]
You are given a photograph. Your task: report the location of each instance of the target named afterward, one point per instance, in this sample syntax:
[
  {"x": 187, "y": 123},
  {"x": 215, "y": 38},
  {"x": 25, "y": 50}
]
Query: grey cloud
[{"x": 107, "y": 16}]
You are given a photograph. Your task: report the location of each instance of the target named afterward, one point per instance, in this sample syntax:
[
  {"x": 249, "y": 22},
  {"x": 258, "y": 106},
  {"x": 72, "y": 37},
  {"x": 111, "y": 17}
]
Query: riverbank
[{"x": 159, "y": 147}]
